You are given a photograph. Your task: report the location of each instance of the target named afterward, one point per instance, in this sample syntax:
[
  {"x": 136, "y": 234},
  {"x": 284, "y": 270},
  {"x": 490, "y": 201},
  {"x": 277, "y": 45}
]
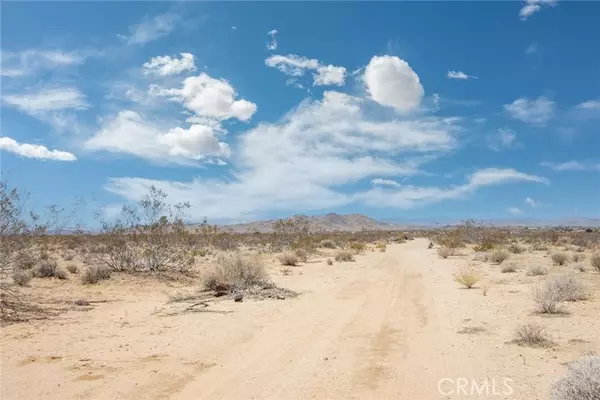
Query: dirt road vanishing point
[{"x": 392, "y": 325}]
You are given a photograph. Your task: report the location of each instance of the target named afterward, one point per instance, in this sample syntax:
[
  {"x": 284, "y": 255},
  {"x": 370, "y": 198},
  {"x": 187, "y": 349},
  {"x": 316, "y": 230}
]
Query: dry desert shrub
[
  {"x": 327, "y": 244},
  {"x": 508, "y": 268},
  {"x": 581, "y": 382},
  {"x": 46, "y": 269},
  {"x": 547, "y": 299},
  {"x": 21, "y": 278},
  {"x": 537, "y": 270},
  {"x": 532, "y": 335},
  {"x": 559, "y": 258},
  {"x": 595, "y": 261},
  {"x": 570, "y": 287},
  {"x": 498, "y": 256},
  {"x": 302, "y": 254},
  {"x": 344, "y": 255},
  {"x": 445, "y": 252},
  {"x": 26, "y": 262},
  {"x": 516, "y": 248},
  {"x": 94, "y": 274},
  {"x": 539, "y": 247},
  {"x": 68, "y": 256},
  {"x": 578, "y": 257},
  {"x": 72, "y": 268},
  {"x": 234, "y": 273},
  {"x": 288, "y": 258},
  {"x": 329, "y": 261},
  {"x": 467, "y": 277}
]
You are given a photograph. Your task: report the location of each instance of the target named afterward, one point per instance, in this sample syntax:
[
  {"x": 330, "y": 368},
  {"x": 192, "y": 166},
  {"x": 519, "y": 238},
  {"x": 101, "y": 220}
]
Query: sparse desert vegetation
[
  {"x": 581, "y": 382},
  {"x": 147, "y": 271}
]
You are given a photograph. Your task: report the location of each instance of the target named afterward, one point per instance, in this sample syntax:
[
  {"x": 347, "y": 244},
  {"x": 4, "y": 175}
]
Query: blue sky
[{"x": 254, "y": 110}]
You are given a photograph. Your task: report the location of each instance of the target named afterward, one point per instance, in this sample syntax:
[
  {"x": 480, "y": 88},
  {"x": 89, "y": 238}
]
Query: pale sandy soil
[{"x": 384, "y": 327}]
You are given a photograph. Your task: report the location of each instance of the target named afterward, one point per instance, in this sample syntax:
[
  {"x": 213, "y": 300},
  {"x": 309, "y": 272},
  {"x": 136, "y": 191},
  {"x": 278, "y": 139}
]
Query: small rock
[
  {"x": 81, "y": 302},
  {"x": 238, "y": 297}
]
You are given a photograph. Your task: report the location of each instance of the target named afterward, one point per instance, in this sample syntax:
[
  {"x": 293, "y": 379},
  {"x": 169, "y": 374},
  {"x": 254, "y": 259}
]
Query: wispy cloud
[
  {"x": 296, "y": 66},
  {"x": 504, "y": 138},
  {"x": 572, "y": 165},
  {"x": 151, "y": 29},
  {"x": 385, "y": 182},
  {"x": 530, "y": 202},
  {"x": 536, "y": 112},
  {"x": 34, "y": 150},
  {"x": 459, "y": 75},
  {"x": 272, "y": 43},
  {"x": 47, "y": 99},
  {"x": 515, "y": 211},
  {"x": 533, "y": 6},
  {"x": 29, "y": 62}
]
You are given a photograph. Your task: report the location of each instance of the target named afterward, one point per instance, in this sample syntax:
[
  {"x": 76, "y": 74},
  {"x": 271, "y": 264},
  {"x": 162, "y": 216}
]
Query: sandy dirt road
[
  {"x": 392, "y": 325},
  {"x": 377, "y": 334}
]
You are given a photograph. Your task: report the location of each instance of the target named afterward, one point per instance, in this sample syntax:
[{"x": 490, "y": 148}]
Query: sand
[{"x": 392, "y": 325}]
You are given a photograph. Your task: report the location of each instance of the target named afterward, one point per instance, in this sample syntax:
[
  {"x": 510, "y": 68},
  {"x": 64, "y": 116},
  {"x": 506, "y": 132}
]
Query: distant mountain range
[
  {"x": 327, "y": 223},
  {"x": 356, "y": 222}
]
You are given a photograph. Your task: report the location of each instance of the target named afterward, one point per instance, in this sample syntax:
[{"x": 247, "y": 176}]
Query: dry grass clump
[
  {"x": 559, "y": 258},
  {"x": 595, "y": 261},
  {"x": 578, "y": 257},
  {"x": 445, "y": 252},
  {"x": 516, "y": 248},
  {"x": 327, "y": 244},
  {"x": 344, "y": 255},
  {"x": 581, "y": 382},
  {"x": 329, "y": 261},
  {"x": 539, "y": 247},
  {"x": 21, "y": 278},
  {"x": 61, "y": 274},
  {"x": 547, "y": 299},
  {"x": 509, "y": 268},
  {"x": 233, "y": 273},
  {"x": 498, "y": 256},
  {"x": 537, "y": 270},
  {"x": 357, "y": 247},
  {"x": 94, "y": 274},
  {"x": 72, "y": 268},
  {"x": 288, "y": 258},
  {"x": 532, "y": 335},
  {"x": 467, "y": 277}
]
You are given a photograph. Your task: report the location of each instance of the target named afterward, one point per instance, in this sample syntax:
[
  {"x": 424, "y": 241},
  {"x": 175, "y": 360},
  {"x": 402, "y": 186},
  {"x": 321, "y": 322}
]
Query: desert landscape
[{"x": 161, "y": 310}]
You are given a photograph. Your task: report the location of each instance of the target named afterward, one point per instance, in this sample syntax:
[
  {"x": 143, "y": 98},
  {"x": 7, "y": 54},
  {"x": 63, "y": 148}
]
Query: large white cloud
[
  {"x": 536, "y": 112},
  {"x": 296, "y": 66},
  {"x": 130, "y": 133},
  {"x": 210, "y": 97},
  {"x": 391, "y": 82},
  {"x": 302, "y": 161},
  {"x": 34, "y": 150},
  {"x": 166, "y": 65}
]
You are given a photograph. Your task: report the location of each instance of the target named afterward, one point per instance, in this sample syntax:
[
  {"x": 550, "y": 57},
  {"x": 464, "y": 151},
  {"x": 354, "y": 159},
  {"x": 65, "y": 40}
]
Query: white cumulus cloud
[
  {"x": 34, "y": 150},
  {"x": 536, "y": 112},
  {"x": 166, "y": 65},
  {"x": 391, "y": 82},
  {"x": 209, "y": 97},
  {"x": 130, "y": 133}
]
